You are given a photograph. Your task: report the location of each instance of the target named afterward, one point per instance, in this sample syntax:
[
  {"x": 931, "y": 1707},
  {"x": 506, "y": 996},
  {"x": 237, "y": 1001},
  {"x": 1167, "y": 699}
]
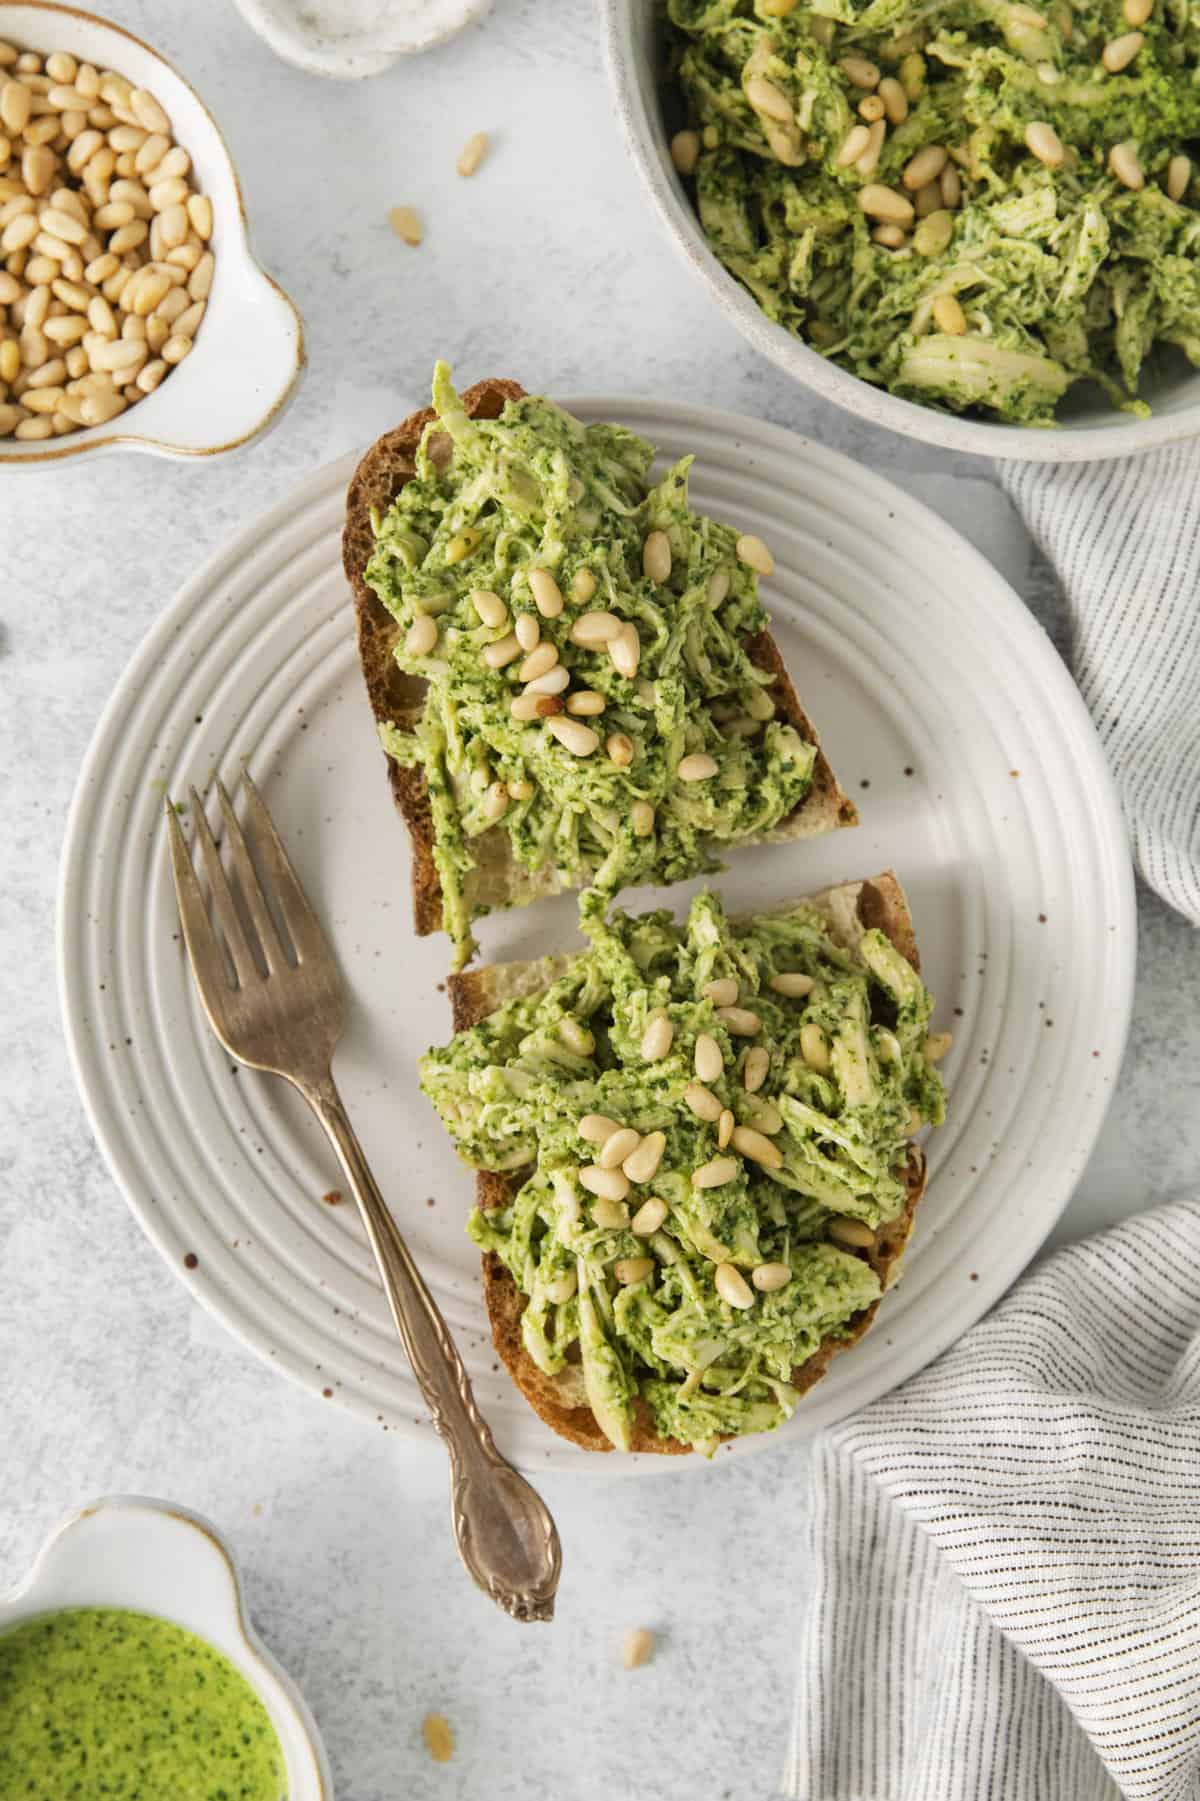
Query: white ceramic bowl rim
[
  {"x": 99, "y": 438},
  {"x": 154, "y": 1557},
  {"x": 1123, "y": 436}
]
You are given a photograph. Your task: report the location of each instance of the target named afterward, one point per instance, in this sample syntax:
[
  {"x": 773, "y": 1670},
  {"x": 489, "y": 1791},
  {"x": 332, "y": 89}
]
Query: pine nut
[
  {"x": 739, "y": 1022},
  {"x": 10, "y": 360},
  {"x": 853, "y": 145},
  {"x": 629, "y": 1270},
  {"x": 1179, "y": 175},
  {"x": 617, "y": 1147},
  {"x": 495, "y": 805},
  {"x": 928, "y": 199},
  {"x": 200, "y": 215},
  {"x": 586, "y": 703},
  {"x": 860, "y": 71},
  {"x": 641, "y": 1165},
  {"x": 708, "y": 1061},
  {"x": 526, "y": 629},
  {"x": 950, "y": 182},
  {"x": 1124, "y": 163},
  {"x": 854, "y": 1232},
  {"x": 649, "y": 1217},
  {"x": 814, "y": 1048},
  {"x": 625, "y": 651},
  {"x": 1118, "y": 53},
  {"x": 1137, "y": 12},
  {"x": 201, "y": 279},
  {"x": 895, "y": 100},
  {"x": 15, "y": 101},
  {"x": 656, "y": 557},
  {"x": 149, "y": 152},
  {"x": 657, "y": 1038},
  {"x": 124, "y": 354},
  {"x": 547, "y": 596},
  {"x": 718, "y": 587},
  {"x": 716, "y": 1173},
  {"x": 685, "y": 151},
  {"x": 147, "y": 111},
  {"x": 641, "y": 817},
  {"x": 594, "y": 630},
  {"x": 406, "y": 224},
  {"x": 553, "y": 682},
  {"x": 872, "y": 109},
  {"x": 699, "y": 767},
  {"x": 597, "y": 1128},
  {"x": 173, "y": 227},
  {"x": 472, "y": 153},
  {"x": 610, "y": 1216},
  {"x": 936, "y": 1046},
  {"x": 609, "y": 1184},
  {"x": 758, "y": 1147},
  {"x": 490, "y": 608},
  {"x": 422, "y": 636},
  {"x": 949, "y": 316},
  {"x": 868, "y": 162},
  {"x": 886, "y": 204},
  {"x": 754, "y": 553},
  {"x": 722, "y": 993},
  {"x": 187, "y": 323},
  {"x": 766, "y": 98},
  {"x": 934, "y": 233},
  {"x": 562, "y": 1289},
  {"x": 732, "y": 1286},
  {"x": 31, "y": 430},
  {"x": 702, "y": 1101},
  {"x": 539, "y": 660},
  {"x": 579, "y": 739},
  {"x": 584, "y": 585},
  {"x": 724, "y": 1128},
  {"x": 619, "y": 747},
  {"x": 792, "y": 983},
  {"x": 43, "y": 399},
  {"x": 755, "y": 1068},
  {"x": 151, "y": 376},
  {"x": 924, "y": 167},
  {"x": 527, "y": 707},
  {"x": 175, "y": 349},
  {"x": 68, "y": 329},
  {"x": 504, "y": 651},
  {"x": 1045, "y": 143},
  {"x": 768, "y": 1278}
]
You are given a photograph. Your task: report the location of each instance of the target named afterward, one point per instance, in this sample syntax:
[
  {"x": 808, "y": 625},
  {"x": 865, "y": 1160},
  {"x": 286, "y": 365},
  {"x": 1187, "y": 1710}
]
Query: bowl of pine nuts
[{"x": 133, "y": 314}]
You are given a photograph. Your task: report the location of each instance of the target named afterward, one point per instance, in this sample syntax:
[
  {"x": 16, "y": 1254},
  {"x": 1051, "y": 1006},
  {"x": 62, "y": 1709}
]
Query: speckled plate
[{"x": 947, "y": 714}]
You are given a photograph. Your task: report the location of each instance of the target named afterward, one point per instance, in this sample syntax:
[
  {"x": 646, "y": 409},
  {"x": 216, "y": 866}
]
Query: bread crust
[
  {"x": 498, "y": 880},
  {"x": 878, "y": 903}
]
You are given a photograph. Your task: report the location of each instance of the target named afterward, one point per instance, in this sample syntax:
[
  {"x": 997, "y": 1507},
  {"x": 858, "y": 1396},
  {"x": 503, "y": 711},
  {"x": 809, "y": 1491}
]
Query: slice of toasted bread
[
  {"x": 851, "y": 909},
  {"x": 498, "y": 880}
]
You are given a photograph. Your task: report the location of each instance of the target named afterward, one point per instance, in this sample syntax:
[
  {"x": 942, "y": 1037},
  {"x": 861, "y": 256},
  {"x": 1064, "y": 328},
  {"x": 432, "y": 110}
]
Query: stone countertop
[{"x": 547, "y": 266}]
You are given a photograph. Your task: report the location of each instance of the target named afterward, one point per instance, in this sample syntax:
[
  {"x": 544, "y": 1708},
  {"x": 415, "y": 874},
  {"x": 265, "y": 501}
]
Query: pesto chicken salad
[
  {"x": 972, "y": 203},
  {"x": 585, "y": 636},
  {"x": 706, "y": 1121}
]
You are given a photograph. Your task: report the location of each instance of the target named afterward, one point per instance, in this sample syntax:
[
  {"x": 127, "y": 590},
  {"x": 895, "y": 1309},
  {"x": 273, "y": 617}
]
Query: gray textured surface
[{"x": 546, "y": 267}]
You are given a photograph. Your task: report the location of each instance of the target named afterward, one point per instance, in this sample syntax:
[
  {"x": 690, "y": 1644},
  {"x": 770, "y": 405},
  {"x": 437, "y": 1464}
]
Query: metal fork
[{"x": 286, "y": 1016}]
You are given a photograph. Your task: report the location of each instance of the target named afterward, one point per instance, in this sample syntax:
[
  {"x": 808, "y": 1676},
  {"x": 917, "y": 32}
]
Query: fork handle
[{"x": 506, "y": 1536}]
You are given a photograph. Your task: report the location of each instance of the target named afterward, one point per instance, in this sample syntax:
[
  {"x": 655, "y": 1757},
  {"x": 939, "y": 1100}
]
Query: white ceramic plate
[{"x": 929, "y": 681}]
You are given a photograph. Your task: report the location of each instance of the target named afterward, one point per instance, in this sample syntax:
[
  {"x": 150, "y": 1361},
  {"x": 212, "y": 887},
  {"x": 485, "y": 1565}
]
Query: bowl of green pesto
[
  {"x": 128, "y": 1669},
  {"x": 976, "y": 222}
]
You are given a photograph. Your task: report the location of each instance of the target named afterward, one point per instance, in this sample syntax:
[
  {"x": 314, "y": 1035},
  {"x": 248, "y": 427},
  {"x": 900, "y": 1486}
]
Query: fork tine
[
  {"x": 247, "y": 876},
  {"x": 208, "y": 964},
  {"x": 223, "y": 905},
  {"x": 301, "y": 921}
]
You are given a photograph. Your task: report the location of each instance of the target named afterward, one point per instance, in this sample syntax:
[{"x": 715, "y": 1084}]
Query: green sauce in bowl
[{"x": 99, "y": 1702}]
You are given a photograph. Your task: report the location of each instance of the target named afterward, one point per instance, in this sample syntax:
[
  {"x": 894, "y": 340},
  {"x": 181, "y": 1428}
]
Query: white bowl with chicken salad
[{"x": 977, "y": 225}]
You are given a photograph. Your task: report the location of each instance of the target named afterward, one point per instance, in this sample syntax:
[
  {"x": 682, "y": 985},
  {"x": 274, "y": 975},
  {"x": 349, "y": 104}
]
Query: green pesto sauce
[
  {"x": 98, "y": 1704},
  {"x": 1064, "y": 270}
]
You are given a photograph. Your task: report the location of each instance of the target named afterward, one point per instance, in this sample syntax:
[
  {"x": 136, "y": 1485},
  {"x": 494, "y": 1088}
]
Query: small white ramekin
[
  {"x": 151, "y": 1557},
  {"x": 249, "y": 350}
]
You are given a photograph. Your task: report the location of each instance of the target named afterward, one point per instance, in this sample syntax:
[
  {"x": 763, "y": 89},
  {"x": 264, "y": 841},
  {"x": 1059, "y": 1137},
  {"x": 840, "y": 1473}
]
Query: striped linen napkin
[
  {"x": 1007, "y": 1550},
  {"x": 1124, "y": 538}
]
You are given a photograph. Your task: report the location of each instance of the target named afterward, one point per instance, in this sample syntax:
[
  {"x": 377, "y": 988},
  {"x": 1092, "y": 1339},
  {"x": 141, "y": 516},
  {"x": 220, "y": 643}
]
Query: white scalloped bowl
[
  {"x": 249, "y": 350},
  {"x": 148, "y": 1556},
  {"x": 1089, "y": 428}
]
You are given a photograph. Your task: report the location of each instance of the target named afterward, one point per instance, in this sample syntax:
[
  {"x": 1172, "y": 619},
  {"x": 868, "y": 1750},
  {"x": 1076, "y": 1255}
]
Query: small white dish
[
  {"x": 1089, "y": 429},
  {"x": 250, "y": 347},
  {"x": 351, "y": 39},
  {"x": 149, "y": 1556}
]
